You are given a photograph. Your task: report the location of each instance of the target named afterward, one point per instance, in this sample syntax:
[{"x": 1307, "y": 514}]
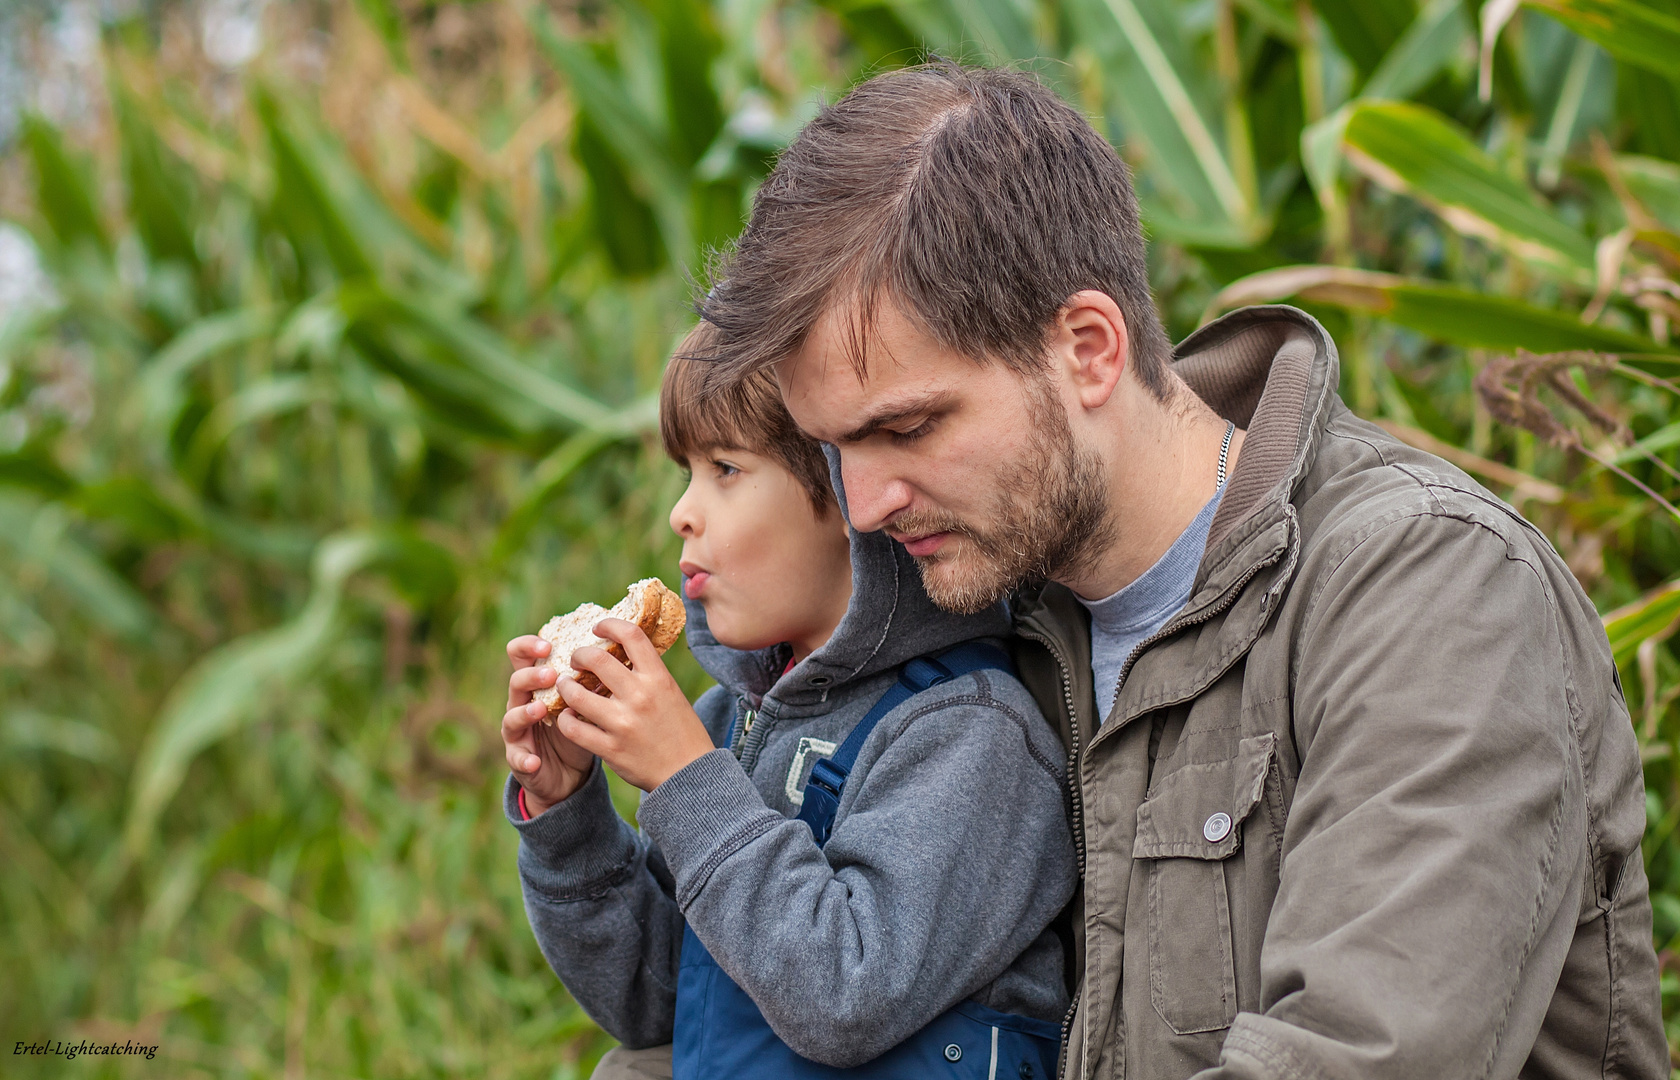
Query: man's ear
[{"x": 1091, "y": 345}]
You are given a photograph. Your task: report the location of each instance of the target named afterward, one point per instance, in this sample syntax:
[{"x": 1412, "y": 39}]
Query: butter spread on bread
[{"x": 650, "y": 605}]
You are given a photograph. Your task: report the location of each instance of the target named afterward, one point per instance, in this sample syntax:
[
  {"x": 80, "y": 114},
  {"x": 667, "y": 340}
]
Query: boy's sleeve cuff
[
  {"x": 703, "y": 814},
  {"x": 576, "y": 846}
]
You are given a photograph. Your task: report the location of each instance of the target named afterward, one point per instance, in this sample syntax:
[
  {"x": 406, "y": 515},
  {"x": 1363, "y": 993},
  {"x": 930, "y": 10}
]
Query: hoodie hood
[{"x": 889, "y": 620}]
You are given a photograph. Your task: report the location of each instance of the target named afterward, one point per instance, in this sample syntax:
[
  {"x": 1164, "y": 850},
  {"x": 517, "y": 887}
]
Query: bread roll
[{"x": 650, "y": 605}]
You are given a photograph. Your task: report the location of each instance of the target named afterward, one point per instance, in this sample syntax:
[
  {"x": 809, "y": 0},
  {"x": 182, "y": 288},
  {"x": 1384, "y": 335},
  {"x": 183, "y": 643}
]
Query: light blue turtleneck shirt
[{"x": 1121, "y": 621}]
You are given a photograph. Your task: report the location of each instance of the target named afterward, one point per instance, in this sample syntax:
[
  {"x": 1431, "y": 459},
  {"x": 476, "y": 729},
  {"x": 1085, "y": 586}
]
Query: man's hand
[
  {"x": 647, "y": 730},
  {"x": 547, "y": 765}
]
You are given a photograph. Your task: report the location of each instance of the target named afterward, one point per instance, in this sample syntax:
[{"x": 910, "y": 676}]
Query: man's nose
[{"x": 873, "y": 493}]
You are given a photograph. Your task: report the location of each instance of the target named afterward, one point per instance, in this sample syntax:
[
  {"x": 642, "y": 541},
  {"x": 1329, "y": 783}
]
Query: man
[{"x": 1351, "y": 773}]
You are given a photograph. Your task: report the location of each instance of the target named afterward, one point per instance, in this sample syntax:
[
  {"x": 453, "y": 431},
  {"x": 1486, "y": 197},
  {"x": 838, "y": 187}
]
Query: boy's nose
[{"x": 685, "y": 521}]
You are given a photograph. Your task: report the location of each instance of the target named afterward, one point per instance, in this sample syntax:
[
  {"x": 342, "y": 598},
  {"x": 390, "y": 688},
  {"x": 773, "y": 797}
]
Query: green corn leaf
[
  {"x": 636, "y": 139},
  {"x": 326, "y": 208},
  {"x": 1000, "y": 27},
  {"x": 1443, "y": 312},
  {"x": 1656, "y": 184},
  {"x": 549, "y": 478},
  {"x": 1478, "y": 320},
  {"x": 688, "y": 46},
  {"x": 1367, "y": 29},
  {"x": 462, "y": 399},
  {"x": 61, "y": 191},
  {"x": 230, "y": 687},
  {"x": 39, "y": 535},
  {"x": 626, "y": 225},
  {"x": 261, "y": 400},
  {"x": 1664, "y": 438},
  {"x": 481, "y": 353},
  {"x": 133, "y": 505},
  {"x": 159, "y": 191},
  {"x": 162, "y": 394},
  {"x": 1577, "y": 84},
  {"x": 1426, "y": 48},
  {"x": 34, "y": 471},
  {"x": 1423, "y": 51},
  {"x": 303, "y": 197},
  {"x": 877, "y": 29},
  {"x": 30, "y": 729},
  {"x": 1163, "y": 96},
  {"x": 1627, "y": 627},
  {"x": 1648, "y": 108},
  {"x": 1412, "y": 149},
  {"x": 1633, "y": 32},
  {"x": 387, "y": 22}
]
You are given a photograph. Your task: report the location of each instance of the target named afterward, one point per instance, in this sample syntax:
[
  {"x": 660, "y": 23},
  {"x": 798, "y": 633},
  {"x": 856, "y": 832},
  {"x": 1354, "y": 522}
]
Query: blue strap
[{"x": 828, "y": 775}]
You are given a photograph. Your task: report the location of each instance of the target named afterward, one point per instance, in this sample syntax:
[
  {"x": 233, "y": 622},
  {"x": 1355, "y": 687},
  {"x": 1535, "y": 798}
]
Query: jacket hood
[{"x": 890, "y": 620}]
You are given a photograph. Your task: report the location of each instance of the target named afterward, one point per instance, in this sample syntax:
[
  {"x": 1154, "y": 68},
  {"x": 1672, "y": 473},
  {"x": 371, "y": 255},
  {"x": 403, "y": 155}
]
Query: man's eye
[{"x": 914, "y": 433}]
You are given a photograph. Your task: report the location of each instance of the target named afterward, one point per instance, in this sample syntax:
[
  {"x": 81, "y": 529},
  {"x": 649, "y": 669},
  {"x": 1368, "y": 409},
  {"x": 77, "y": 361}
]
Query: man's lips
[{"x": 923, "y": 545}]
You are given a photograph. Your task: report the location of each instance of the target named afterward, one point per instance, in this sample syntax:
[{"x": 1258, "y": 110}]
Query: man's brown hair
[
  {"x": 698, "y": 414},
  {"x": 974, "y": 198}
]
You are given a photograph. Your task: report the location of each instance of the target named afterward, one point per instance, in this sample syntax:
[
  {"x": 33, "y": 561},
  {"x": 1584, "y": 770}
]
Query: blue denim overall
[{"x": 720, "y": 1033}]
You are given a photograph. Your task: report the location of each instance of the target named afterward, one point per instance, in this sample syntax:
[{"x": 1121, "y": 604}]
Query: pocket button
[
  {"x": 1216, "y": 828},
  {"x": 953, "y": 1052}
]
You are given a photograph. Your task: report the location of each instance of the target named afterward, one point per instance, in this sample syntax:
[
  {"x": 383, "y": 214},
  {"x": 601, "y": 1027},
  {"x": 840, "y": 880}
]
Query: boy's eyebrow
[{"x": 930, "y": 402}]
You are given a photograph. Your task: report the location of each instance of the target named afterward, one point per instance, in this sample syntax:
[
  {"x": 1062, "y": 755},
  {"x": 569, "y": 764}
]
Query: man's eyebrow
[{"x": 930, "y": 402}]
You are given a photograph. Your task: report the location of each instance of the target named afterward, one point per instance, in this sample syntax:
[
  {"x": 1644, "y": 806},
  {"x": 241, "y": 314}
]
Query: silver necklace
[{"x": 1225, "y": 450}]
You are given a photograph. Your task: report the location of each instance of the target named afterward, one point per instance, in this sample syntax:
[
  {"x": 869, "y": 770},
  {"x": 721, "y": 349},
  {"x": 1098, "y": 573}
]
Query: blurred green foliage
[{"x": 327, "y": 368}]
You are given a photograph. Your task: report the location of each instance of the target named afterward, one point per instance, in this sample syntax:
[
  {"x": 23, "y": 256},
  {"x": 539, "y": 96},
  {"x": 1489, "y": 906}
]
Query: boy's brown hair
[{"x": 698, "y": 414}]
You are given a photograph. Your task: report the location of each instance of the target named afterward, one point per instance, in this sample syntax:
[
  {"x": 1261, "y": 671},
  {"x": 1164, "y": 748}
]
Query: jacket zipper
[
  {"x": 1229, "y": 598},
  {"x": 1076, "y": 792},
  {"x": 1077, "y": 813}
]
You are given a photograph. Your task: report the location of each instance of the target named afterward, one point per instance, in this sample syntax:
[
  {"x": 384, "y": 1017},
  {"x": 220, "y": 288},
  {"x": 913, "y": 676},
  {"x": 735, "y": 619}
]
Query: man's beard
[{"x": 1049, "y": 518}]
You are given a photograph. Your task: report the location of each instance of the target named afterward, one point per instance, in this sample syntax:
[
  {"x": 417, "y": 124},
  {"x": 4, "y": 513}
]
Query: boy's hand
[
  {"x": 547, "y": 765},
  {"x": 647, "y": 730}
]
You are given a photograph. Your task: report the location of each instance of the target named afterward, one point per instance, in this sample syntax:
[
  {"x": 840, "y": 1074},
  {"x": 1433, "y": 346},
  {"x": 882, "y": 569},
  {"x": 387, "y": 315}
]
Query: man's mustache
[{"x": 923, "y": 523}]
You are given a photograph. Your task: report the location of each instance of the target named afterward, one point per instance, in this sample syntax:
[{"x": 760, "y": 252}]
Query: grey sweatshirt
[{"x": 950, "y": 856}]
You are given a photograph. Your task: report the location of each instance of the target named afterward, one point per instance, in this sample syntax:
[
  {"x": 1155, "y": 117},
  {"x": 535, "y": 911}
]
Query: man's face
[{"x": 972, "y": 467}]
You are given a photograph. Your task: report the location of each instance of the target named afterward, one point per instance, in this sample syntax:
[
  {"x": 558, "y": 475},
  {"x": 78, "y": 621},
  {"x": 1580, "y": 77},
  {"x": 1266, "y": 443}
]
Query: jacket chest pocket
[{"x": 1186, "y": 828}]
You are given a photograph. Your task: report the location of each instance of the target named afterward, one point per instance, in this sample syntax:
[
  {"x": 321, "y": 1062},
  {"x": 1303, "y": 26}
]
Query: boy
[{"x": 920, "y": 930}]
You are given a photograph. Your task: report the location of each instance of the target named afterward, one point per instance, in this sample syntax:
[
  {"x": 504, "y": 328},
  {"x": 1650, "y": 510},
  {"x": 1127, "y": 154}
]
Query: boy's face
[{"x": 757, "y": 557}]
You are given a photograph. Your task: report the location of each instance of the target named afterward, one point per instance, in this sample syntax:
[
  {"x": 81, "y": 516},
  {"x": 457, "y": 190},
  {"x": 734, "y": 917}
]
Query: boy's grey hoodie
[{"x": 950, "y": 856}]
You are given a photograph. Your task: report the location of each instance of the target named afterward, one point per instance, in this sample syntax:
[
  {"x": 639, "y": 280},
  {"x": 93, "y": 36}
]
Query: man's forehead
[
  {"x": 831, "y": 394},
  {"x": 870, "y": 349}
]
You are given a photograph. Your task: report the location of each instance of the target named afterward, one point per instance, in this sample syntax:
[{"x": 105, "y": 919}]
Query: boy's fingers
[
  {"x": 522, "y": 761},
  {"x": 582, "y": 732},
  {"x": 516, "y": 726},
  {"x": 637, "y": 647},
  {"x": 613, "y": 674},
  {"x": 590, "y": 706},
  {"x": 526, "y": 650},
  {"x": 533, "y": 678}
]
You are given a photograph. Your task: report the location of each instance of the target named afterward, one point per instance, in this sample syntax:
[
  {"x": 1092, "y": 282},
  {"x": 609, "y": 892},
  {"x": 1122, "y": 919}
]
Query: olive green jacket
[{"x": 1370, "y": 804}]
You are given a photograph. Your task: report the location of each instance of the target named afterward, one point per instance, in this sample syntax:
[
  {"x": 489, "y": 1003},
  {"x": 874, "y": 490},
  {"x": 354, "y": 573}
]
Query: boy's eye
[{"x": 724, "y": 469}]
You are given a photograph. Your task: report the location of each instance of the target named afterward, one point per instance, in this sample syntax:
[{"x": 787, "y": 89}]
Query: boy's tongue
[{"x": 693, "y": 585}]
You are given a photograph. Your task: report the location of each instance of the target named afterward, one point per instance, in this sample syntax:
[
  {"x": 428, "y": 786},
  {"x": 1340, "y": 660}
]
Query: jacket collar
[{"x": 1272, "y": 370}]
